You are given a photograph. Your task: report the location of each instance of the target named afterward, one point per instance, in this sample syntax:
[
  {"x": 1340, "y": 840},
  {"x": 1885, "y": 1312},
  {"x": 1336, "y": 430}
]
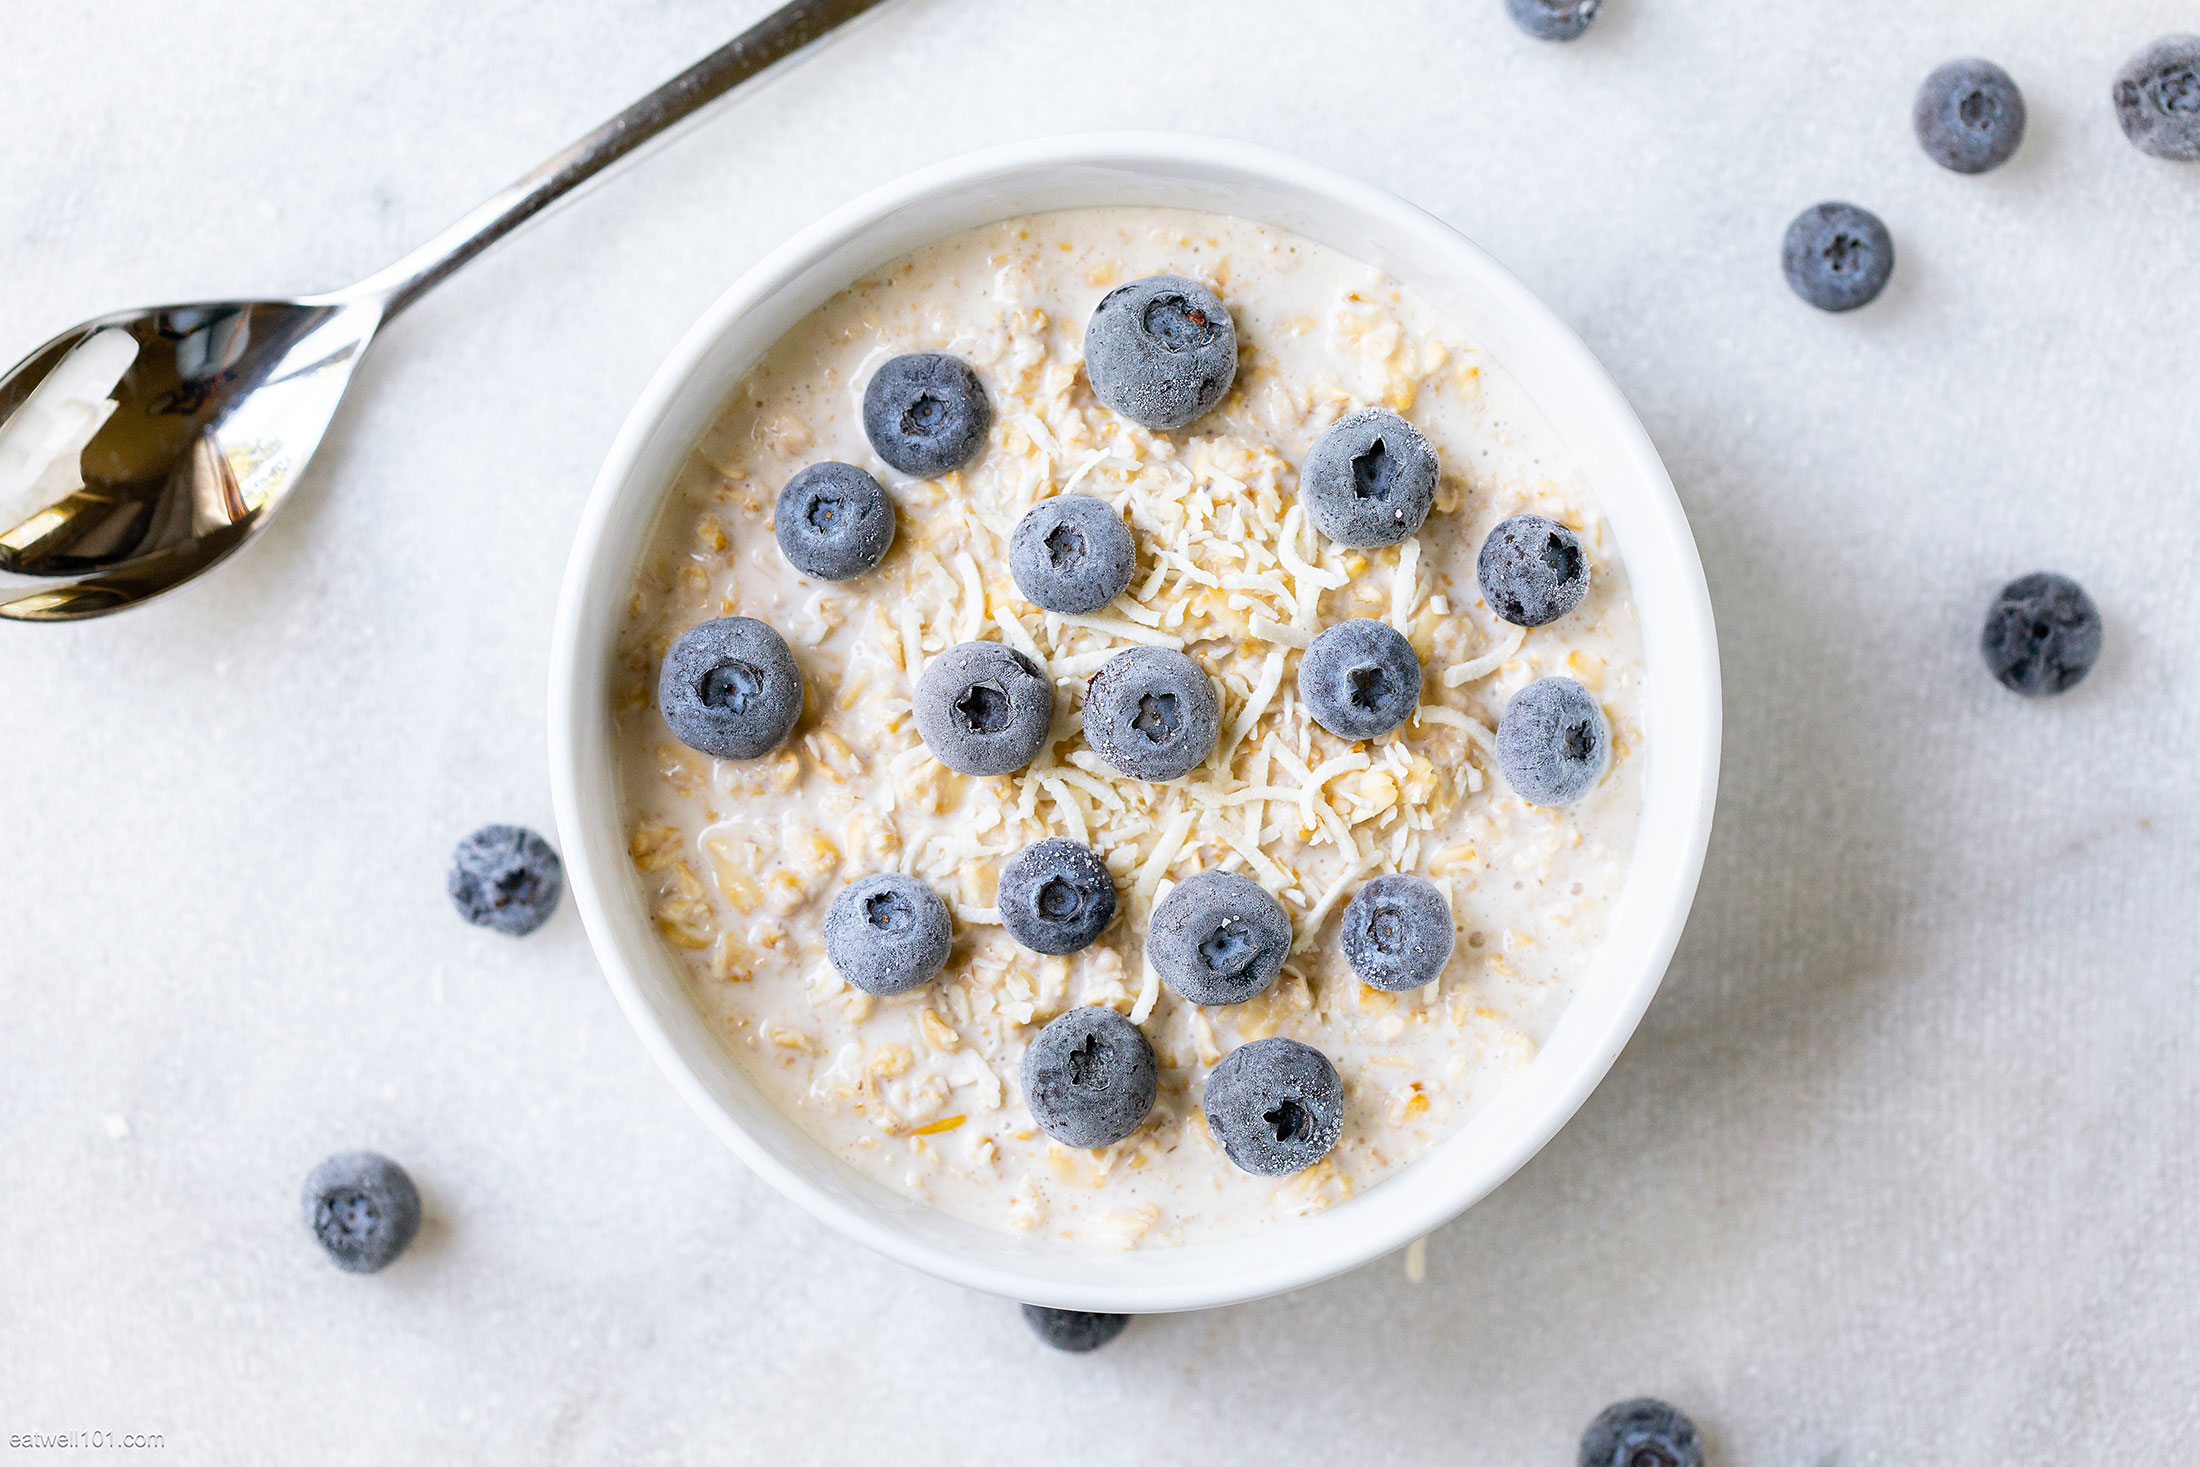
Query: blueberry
[
  {"x": 1218, "y": 938},
  {"x": 1089, "y": 1078},
  {"x": 1397, "y": 933},
  {"x": 2157, "y": 97},
  {"x": 1969, "y": 116},
  {"x": 1553, "y": 20},
  {"x": 833, "y": 522},
  {"x": 1369, "y": 480},
  {"x": 1552, "y": 742},
  {"x": 1837, "y": 256},
  {"x": 1360, "y": 679},
  {"x": 1151, "y": 713},
  {"x": 505, "y": 877},
  {"x": 1161, "y": 351},
  {"x": 1276, "y": 1105},
  {"x": 1532, "y": 570},
  {"x": 1642, "y": 1433},
  {"x": 2042, "y": 635},
  {"x": 1074, "y": 1330},
  {"x": 1072, "y": 553},
  {"x": 1056, "y": 896},
  {"x": 983, "y": 708},
  {"x": 887, "y": 933},
  {"x": 730, "y": 688},
  {"x": 362, "y": 1209},
  {"x": 926, "y": 414}
]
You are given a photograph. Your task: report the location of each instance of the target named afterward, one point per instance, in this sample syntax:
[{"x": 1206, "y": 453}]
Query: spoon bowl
[{"x": 213, "y": 420}]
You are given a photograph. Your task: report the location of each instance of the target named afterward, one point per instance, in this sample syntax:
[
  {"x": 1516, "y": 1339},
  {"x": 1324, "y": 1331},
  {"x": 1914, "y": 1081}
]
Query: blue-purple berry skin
[
  {"x": 1837, "y": 256},
  {"x": 1969, "y": 116},
  {"x": 1152, "y": 714},
  {"x": 2157, "y": 98},
  {"x": 1218, "y": 938},
  {"x": 1072, "y": 554},
  {"x": 2042, "y": 635},
  {"x": 362, "y": 1209},
  {"x": 505, "y": 878},
  {"x": 1161, "y": 351},
  {"x": 1276, "y": 1105},
  {"x": 1056, "y": 896},
  {"x": 926, "y": 413},
  {"x": 730, "y": 688},
  {"x": 833, "y": 522},
  {"x": 887, "y": 933},
  {"x": 1369, "y": 480},
  {"x": 984, "y": 708},
  {"x": 1532, "y": 570},
  {"x": 1074, "y": 1331},
  {"x": 1553, "y": 20},
  {"x": 1360, "y": 679},
  {"x": 1553, "y": 743},
  {"x": 1641, "y": 1433},
  {"x": 1398, "y": 933},
  {"x": 1089, "y": 1077}
]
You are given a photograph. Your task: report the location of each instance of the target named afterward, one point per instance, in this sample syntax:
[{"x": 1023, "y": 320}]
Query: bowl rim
[{"x": 1684, "y": 617}]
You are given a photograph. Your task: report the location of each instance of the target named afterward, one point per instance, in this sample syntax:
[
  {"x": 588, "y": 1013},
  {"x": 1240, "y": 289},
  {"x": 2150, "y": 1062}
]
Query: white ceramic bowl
[{"x": 1681, "y": 712}]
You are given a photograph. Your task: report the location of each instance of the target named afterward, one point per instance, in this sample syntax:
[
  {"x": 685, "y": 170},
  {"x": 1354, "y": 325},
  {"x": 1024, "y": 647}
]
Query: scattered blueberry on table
[
  {"x": 1532, "y": 570},
  {"x": 2042, "y": 635},
  {"x": 1089, "y": 1077},
  {"x": 1276, "y": 1105},
  {"x": 1837, "y": 256},
  {"x": 1641, "y": 1433},
  {"x": 984, "y": 708},
  {"x": 1969, "y": 116},
  {"x": 1369, "y": 480},
  {"x": 1553, "y": 743},
  {"x": 1218, "y": 938},
  {"x": 506, "y": 878},
  {"x": 1056, "y": 896},
  {"x": 1072, "y": 554},
  {"x": 926, "y": 414},
  {"x": 1152, "y": 713},
  {"x": 1553, "y": 20},
  {"x": 362, "y": 1209},
  {"x": 834, "y": 522},
  {"x": 1398, "y": 933},
  {"x": 1074, "y": 1330},
  {"x": 886, "y": 933},
  {"x": 1161, "y": 351},
  {"x": 1360, "y": 679},
  {"x": 2157, "y": 97},
  {"x": 730, "y": 688}
]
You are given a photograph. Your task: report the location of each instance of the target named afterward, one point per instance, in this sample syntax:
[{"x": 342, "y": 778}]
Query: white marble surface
[{"x": 1901, "y": 1166}]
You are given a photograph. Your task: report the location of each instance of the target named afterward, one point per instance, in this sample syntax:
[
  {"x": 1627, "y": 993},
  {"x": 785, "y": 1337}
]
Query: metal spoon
[{"x": 225, "y": 401}]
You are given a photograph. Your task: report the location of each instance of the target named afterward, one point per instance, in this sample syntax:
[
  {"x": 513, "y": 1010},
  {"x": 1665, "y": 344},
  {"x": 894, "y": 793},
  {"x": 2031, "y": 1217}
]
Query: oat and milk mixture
[{"x": 739, "y": 860}]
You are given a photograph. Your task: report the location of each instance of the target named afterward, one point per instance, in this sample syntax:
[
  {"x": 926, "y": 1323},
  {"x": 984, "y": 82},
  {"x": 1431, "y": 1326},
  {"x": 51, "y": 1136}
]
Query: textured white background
[{"x": 1902, "y": 1164}]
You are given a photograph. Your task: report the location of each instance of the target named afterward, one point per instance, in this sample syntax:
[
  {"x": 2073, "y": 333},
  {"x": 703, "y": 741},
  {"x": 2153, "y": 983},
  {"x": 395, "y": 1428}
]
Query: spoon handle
[{"x": 778, "y": 35}]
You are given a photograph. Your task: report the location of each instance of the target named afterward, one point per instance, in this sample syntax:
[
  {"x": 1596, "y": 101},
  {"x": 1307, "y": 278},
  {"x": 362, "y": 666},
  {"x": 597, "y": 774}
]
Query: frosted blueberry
[
  {"x": 1532, "y": 570},
  {"x": 1276, "y": 1105},
  {"x": 1360, "y": 679},
  {"x": 833, "y": 521},
  {"x": 1553, "y": 744},
  {"x": 1218, "y": 938},
  {"x": 1161, "y": 351},
  {"x": 1151, "y": 713},
  {"x": 1072, "y": 554},
  {"x": 730, "y": 688},
  {"x": 362, "y": 1209},
  {"x": 984, "y": 708},
  {"x": 926, "y": 414},
  {"x": 1397, "y": 933},
  {"x": 1089, "y": 1077},
  {"x": 1056, "y": 896},
  {"x": 1370, "y": 480},
  {"x": 1837, "y": 256},
  {"x": 887, "y": 933}
]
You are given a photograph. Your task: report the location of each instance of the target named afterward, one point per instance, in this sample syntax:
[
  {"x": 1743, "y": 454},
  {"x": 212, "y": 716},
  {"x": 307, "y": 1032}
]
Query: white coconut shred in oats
[{"x": 739, "y": 861}]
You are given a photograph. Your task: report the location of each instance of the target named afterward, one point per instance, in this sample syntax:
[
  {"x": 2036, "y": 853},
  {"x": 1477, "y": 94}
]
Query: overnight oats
[{"x": 1132, "y": 726}]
